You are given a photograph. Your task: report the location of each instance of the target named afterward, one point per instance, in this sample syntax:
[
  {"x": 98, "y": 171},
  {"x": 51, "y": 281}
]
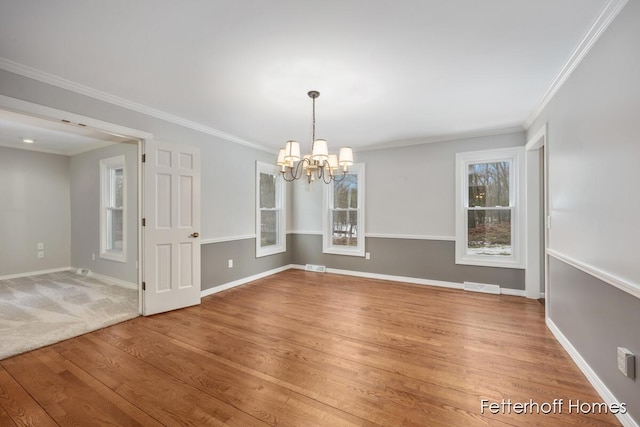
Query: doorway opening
[
  {"x": 536, "y": 282},
  {"x": 56, "y": 279}
]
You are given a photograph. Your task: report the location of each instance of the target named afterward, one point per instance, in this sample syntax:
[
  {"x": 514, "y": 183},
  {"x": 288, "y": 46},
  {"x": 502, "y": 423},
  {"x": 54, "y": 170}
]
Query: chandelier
[{"x": 319, "y": 164}]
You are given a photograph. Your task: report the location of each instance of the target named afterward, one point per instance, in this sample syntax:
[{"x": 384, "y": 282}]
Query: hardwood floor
[{"x": 306, "y": 349}]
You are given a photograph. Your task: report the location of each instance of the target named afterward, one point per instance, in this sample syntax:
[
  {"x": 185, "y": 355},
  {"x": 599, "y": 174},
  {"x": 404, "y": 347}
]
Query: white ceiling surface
[
  {"x": 387, "y": 70},
  {"x": 49, "y": 136}
]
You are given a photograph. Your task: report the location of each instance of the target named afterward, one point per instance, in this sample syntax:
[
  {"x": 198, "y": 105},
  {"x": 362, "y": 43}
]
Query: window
[
  {"x": 270, "y": 211},
  {"x": 490, "y": 208},
  {"x": 113, "y": 211},
  {"x": 343, "y": 228}
]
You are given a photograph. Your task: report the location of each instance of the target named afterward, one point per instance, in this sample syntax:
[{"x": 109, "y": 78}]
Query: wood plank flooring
[{"x": 306, "y": 349}]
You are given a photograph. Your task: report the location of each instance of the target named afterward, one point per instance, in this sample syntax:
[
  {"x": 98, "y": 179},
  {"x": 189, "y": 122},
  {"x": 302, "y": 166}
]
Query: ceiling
[
  {"x": 50, "y": 136},
  {"x": 388, "y": 70}
]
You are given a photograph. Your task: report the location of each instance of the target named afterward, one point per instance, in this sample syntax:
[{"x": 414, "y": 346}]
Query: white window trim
[
  {"x": 517, "y": 204},
  {"x": 281, "y": 203},
  {"x": 327, "y": 247},
  {"x": 105, "y": 165}
]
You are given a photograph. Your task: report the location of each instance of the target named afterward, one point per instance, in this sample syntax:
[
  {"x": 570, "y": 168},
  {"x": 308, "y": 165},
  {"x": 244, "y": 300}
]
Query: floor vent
[
  {"x": 482, "y": 287},
  {"x": 316, "y": 268},
  {"x": 83, "y": 272}
]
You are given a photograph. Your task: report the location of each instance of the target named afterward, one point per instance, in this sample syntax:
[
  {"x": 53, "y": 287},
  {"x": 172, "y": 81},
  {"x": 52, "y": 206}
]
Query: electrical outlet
[
  {"x": 40, "y": 246},
  {"x": 626, "y": 362},
  {"x": 367, "y": 255},
  {"x": 230, "y": 263},
  {"x": 41, "y": 254}
]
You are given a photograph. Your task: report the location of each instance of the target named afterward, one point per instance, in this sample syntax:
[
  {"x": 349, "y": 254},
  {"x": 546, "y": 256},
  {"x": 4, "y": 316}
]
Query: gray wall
[
  {"x": 34, "y": 207},
  {"x": 420, "y": 259},
  {"x": 216, "y": 271},
  {"x": 228, "y": 188},
  {"x": 593, "y": 150},
  {"x": 85, "y": 212},
  {"x": 410, "y": 191}
]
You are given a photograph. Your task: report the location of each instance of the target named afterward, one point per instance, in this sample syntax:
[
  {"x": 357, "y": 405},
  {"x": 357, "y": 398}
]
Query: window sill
[
  {"x": 114, "y": 256},
  {"x": 270, "y": 251},
  {"x": 344, "y": 251},
  {"x": 491, "y": 263}
]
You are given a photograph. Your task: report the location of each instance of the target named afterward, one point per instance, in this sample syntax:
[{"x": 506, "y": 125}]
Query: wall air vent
[
  {"x": 316, "y": 268},
  {"x": 482, "y": 287},
  {"x": 83, "y": 272}
]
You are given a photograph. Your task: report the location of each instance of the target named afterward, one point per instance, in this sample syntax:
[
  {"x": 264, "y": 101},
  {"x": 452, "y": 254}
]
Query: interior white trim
[
  {"x": 227, "y": 239},
  {"x": 536, "y": 202},
  {"x": 312, "y": 232},
  {"x": 220, "y": 288},
  {"x": 384, "y": 235},
  {"x": 410, "y": 236},
  {"x": 538, "y": 139},
  {"x": 35, "y": 273},
  {"x": 280, "y": 208},
  {"x": 609, "y": 12},
  {"x": 405, "y": 279},
  {"x": 592, "y": 377},
  {"x": 512, "y": 292},
  {"x": 517, "y": 206},
  {"x": 402, "y": 279},
  {"x": 123, "y": 283},
  {"x": 328, "y": 247},
  {"x": 29, "y": 108},
  {"x": 53, "y": 80},
  {"x": 618, "y": 282},
  {"x": 413, "y": 280},
  {"x": 516, "y": 128}
]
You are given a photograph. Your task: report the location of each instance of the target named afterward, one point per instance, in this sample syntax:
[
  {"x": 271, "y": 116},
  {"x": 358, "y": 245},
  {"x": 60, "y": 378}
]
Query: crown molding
[
  {"x": 53, "y": 80},
  {"x": 606, "y": 17},
  {"x": 443, "y": 138}
]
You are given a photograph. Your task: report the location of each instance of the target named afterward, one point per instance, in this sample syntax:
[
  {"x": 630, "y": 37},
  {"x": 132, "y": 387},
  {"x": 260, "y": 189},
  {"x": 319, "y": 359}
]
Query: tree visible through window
[
  {"x": 489, "y": 205},
  {"x": 344, "y": 221},
  {"x": 345, "y": 212},
  {"x": 489, "y": 214}
]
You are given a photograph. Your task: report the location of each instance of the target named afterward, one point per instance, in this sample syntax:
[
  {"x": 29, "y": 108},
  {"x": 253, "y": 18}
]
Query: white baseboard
[
  {"x": 123, "y": 283},
  {"x": 220, "y": 288},
  {"x": 402, "y": 279},
  {"x": 513, "y": 292},
  {"x": 595, "y": 381},
  {"x": 35, "y": 273},
  {"x": 412, "y": 280}
]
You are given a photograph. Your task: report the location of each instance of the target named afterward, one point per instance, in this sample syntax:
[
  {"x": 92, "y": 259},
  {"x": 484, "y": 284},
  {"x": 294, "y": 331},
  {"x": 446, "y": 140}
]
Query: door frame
[
  {"x": 537, "y": 215},
  {"x": 32, "y": 109}
]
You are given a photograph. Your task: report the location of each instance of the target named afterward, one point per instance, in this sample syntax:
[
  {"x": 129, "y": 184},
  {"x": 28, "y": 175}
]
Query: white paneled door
[{"x": 171, "y": 212}]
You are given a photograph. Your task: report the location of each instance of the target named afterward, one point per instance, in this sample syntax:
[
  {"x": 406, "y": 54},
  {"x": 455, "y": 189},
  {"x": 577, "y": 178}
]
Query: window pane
[
  {"x": 267, "y": 190},
  {"x": 489, "y": 232},
  {"x": 268, "y": 228},
  {"x": 489, "y": 184},
  {"x": 114, "y": 230},
  {"x": 345, "y": 228},
  {"x": 117, "y": 182},
  {"x": 345, "y": 192}
]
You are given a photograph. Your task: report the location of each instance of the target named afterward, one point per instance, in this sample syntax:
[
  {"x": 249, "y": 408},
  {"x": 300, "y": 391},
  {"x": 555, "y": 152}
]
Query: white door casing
[{"x": 171, "y": 211}]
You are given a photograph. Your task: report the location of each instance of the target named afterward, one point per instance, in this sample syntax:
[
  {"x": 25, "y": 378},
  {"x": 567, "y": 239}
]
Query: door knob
[{"x": 195, "y": 235}]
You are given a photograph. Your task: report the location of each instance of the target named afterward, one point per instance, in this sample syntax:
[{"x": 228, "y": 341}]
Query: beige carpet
[{"x": 40, "y": 310}]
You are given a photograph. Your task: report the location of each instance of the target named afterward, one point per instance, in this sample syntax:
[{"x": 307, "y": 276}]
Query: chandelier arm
[
  {"x": 344, "y": 175},
  {"x": 325, "y": 176},
  {"x": 284, "y": 176}
]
